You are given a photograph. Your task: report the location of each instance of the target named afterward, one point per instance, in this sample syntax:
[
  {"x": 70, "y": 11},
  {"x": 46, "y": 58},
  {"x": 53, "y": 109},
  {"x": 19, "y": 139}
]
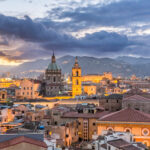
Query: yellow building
[
  {"x": 76, "y": 79},
  {"x": 89, "y": 89},
  {"x": 127, "y": 120},
  {"x": 97, "y": 78},
  {"x": 8, "y": 82}
]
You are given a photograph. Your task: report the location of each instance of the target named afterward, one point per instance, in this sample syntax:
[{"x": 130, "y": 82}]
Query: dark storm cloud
[
  {"x": 119, "y": 13},
  {"x": 49, "y": 39},
  {"x": 25, "y": 29},
  {"x": 97, "y": 43}
]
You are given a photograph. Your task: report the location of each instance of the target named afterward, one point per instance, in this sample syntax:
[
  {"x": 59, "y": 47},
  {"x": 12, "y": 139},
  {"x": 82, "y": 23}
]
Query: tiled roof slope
[
  {"x": 22, "y": 139},
  {"x": 6, "y": 137},
  {"x": 136, "y": 97},
  {"x": 127, "y": 115},
  {"x": 122, "y": 144}
]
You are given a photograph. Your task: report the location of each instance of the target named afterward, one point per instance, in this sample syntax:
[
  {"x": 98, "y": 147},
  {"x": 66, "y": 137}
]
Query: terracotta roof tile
[
  {"x": 118, "y": 143},
  {"x": 130, "y": 147},
  {"x": 22, "y": 139},
  {"x": 127, "y": 115},
  {"x": 104, "y": 146},
  {"x": 122, "y": 144},
  {"x": 136, "y": 97}
]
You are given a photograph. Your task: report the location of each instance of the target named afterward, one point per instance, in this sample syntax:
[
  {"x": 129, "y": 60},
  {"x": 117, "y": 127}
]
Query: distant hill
[
  {"x": 133, "y": 60},
  {"x": 124, "y": 66}
]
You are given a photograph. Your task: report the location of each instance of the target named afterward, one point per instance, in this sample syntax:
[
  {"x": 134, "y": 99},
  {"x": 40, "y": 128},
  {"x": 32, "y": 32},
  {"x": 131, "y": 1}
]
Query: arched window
[
  {"x": 128, "y": 130},
  {"x": 3, "y": 96},
  {"x": 110, "y": 129},
  {"x": 77, "y": 73},
  {"x": 54, "y": 79}
]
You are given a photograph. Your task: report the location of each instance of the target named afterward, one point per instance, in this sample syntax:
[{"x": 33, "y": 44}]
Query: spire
[
  {"x": 76, "y": 65},
  {"x": 53, "y": 58},
  {"x": 76, "y": 60}
]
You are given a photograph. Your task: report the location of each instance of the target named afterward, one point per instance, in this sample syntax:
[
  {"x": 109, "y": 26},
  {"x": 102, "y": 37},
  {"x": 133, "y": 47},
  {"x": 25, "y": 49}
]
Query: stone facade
[
  {"x": 28, "y": 89},
  {"x": 137, "y": 102},
  {"x": 111, "y": 103},
  {"x": 53, "y": 79},
  {"x": 97, "y": 78},
  {"x": 67, "y": 133},
  {"x": 87, "y": 118}
]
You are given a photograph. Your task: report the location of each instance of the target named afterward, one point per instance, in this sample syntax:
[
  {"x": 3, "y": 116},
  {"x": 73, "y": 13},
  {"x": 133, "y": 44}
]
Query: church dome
[{"x": 53, "y": 66}]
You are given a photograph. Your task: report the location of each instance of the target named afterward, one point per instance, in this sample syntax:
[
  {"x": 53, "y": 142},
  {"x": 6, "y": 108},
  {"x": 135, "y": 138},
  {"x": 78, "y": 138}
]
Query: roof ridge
[
  {"x": 111, "y": 113},
  {"x": 17, "y": 140},
  {"x": 123, "y": 110},
  {"x": 137, "y": 96}
]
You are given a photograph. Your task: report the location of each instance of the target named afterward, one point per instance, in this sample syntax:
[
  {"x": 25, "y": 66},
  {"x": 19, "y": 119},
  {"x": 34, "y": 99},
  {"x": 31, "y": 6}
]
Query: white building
[{"x": 117, "y": 141}]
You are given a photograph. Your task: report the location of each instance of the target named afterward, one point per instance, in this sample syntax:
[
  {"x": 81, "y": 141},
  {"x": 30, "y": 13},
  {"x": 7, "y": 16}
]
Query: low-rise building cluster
[{"x": 78, "y": 111}]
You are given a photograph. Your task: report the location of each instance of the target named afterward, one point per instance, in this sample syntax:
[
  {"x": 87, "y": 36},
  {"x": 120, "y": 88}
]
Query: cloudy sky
[{"x": 32, "y": 29}]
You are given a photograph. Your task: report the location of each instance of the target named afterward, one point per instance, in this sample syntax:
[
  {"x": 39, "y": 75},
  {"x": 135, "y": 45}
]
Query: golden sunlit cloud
[{"x": 4, "y": 61}]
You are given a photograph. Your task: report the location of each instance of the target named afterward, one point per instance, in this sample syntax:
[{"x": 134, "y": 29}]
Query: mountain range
[{"x": 124, "y": 66}]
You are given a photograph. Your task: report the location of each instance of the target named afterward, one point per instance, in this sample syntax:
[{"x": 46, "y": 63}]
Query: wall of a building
[
  {"x": 28, "y": 89},
  {"x": 89, "y": 89},
  {"x": 76, "y": 82},
  {"x": 91, "y": 128},
  {"x": 135, "y": 128},
  {"x": 97, "y": 78}
]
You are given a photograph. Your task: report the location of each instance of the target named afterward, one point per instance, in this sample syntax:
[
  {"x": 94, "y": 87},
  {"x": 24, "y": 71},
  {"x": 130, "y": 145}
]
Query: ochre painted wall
[
  {"x": 76, "y": 82},
  {"x": 135, "y": 128}
]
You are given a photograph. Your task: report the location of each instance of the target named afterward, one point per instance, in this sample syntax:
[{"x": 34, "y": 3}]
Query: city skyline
[{"x": 31, "y": 29}]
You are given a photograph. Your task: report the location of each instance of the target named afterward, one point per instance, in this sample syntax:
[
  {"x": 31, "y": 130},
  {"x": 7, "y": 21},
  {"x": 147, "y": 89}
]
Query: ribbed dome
[{"x": 53, "y": 66}]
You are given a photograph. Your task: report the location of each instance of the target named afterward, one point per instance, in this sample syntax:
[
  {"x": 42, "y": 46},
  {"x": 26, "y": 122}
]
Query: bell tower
[{"x": 76, "y": 79}]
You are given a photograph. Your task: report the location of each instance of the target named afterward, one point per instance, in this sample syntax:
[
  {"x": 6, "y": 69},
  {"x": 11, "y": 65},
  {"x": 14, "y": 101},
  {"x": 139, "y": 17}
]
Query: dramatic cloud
[
  {"x": 108, "y": 28},
  {"x": 8, "y": 57},
  {"x": 25, "y": 29},
  {"x": 49, "y": 39},
  {"x": 4, "y": 41},
  {"x": 119, "y": 13}
]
